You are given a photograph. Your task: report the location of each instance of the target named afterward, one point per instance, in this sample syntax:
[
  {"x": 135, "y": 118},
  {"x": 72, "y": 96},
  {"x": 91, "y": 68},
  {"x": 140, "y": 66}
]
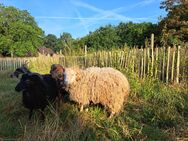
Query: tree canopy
[
  {"x": 19, "y": 33},
  {"x": 103, "y": 38},
  {"x": 109, "y": 36},
  {"x": 175, "y": 25},
  {"x": 51, "y": 41},
  {"x": 135, "y": 33}
]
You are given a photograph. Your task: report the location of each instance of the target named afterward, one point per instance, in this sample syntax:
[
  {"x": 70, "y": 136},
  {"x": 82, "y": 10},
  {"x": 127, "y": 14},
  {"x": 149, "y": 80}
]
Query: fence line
[
  {"x": 11, "y": 63},
  {"x": 167, "y": 64}
]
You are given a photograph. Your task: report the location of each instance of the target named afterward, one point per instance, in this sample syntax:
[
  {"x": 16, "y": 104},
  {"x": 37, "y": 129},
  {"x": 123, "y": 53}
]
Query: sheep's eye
[{"x": 59, "y": 75}]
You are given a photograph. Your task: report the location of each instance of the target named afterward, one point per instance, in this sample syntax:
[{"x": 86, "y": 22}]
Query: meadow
[
  {"x": 157, "y": 107},
  {"x": 155, "y": 111}
]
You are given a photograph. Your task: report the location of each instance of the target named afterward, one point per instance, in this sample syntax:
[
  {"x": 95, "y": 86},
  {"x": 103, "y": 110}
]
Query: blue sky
[{"x": 78, "y": 17}]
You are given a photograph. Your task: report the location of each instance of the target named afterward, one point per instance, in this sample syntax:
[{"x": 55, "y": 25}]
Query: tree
[
  {"x": 135, "y": 33},
  {"x": 175, "y": 25},
  {"x": 103, "y": 38},
  {"x": 66, "y": 39},
  {"x": 109, "y": 36},
  {"x": 51, "y": 41},
  {"x": 19, "y": 33},
  {"x": 66, "y": 42}
]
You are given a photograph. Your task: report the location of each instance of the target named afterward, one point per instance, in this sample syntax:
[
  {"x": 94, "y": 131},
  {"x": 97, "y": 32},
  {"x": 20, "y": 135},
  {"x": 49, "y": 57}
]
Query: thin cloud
[
  {"x": 107, "y": 13},
  {"x": 86, "y": 5},
  {"x": 140, "y": 4},
  {"x": 75, "y": 18},
  {"x": 100, "y": 16},
  {"x": 82, "y": 21},
  {"x": 111, "y": 14},
  {"x": 146, "y": 2}
]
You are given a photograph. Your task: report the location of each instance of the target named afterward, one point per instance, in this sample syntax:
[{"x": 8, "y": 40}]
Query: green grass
[{"x": 154, "y": 111}]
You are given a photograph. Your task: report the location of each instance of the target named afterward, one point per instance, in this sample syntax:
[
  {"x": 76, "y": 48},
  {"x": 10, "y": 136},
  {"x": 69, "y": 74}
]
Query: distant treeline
[{"x": 21, "y": 36}]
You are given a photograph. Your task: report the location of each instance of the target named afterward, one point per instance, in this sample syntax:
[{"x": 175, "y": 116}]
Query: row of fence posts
[
  {"x": 11, "y": 63},
  {"x": 159, "y": 62}
]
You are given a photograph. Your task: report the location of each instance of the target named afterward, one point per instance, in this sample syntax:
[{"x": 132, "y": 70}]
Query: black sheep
[{"x": 38, "y": 90}]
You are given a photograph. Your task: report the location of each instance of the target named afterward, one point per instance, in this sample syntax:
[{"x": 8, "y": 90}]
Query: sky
[{"x": 79, "y": 17}]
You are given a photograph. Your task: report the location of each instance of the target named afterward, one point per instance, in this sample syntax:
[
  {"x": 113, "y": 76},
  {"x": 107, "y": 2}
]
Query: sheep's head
[
  {"x": 57, "y": 72},
  {"x": 64, "y": 76},
  {"x": 18, "y": 71},
  {"x": 71, "y": 75}
]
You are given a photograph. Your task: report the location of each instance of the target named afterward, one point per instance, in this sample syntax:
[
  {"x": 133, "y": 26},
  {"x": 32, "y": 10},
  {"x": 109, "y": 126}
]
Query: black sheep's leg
[
  {"x": 56, "y": 103},
  {"x": 59, "y": 102},
  {"x": 30, "y": 113}
]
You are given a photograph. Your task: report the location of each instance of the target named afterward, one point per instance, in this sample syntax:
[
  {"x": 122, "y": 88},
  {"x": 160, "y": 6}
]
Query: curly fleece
[{"x": 106, "y": 86}]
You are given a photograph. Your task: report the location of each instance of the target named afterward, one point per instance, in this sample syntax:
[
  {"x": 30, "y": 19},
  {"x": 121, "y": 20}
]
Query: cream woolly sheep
[{"x": 106, "y": 86}]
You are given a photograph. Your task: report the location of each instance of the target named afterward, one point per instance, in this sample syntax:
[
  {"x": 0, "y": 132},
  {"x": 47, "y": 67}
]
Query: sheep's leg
[
  {"x": 87, "y": 109},
  {"x": 111, "y": 115},
  {"x": 58, "y": 100},
  {"x": 30, "y": 113},
  {"x": 81, "y": 108}
]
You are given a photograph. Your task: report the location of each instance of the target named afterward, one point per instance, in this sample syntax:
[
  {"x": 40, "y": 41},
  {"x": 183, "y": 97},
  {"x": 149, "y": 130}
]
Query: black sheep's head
[
  {"x": 29, "y": 81},
  {"x": 18, "y": 71}
]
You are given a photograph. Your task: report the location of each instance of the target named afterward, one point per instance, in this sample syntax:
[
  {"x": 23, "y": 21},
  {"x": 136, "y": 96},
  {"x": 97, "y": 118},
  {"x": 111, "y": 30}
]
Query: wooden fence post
[
  {"x": 173, "y": 61},
  {"x": 144, "y": 71},
  {"x": 156, "y": 61},
  {"x": 148, "y": 60},
  {"x": 167, "y": 65},
  {"x": 133, "y": 59},
  {"x": 152, "y": 56},
  {"x": 178, "y": 65},
  {"x": 85, "y": 53},
  {"x": 142, "y": 64},
  {"x": 163, "y": 64}
]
